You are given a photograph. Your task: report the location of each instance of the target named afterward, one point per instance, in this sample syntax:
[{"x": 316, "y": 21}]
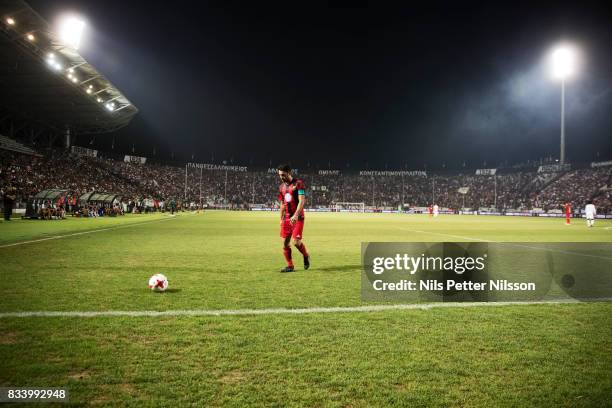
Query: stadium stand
[
  {"x": 576, "y": 187},
  {"x": 146, "y": 186}
]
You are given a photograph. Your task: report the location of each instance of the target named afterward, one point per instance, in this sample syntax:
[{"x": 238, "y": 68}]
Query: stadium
[{"x": 90, "y": 221}]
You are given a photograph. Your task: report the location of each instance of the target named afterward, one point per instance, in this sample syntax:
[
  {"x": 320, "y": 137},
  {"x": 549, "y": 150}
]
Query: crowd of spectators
[
  {"x": 151, "y": 186},
  {"x": 577, "y": 187},
  {"x": 58, "y": 170},
  {"x": 503, "y": 191}
]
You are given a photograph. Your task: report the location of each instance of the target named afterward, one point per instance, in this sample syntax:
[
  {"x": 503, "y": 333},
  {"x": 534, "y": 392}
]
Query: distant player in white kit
[
  {"x": 590, "y": 212},
  {"x": 436, "y": 210}
]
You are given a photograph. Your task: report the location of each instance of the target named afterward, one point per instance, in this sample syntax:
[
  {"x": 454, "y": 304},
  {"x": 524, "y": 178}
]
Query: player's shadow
[{"x": 343, "y": 268}]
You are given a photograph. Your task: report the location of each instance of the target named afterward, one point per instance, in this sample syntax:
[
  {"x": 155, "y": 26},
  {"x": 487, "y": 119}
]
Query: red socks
[
  {"x": 302, "y": 249},
  {"x": 287, "y": 252}
]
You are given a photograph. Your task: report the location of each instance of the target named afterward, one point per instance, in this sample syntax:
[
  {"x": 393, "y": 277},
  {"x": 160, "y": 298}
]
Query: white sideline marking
[
  {"x": 82, "y": 233},
  {"x": 254, "y": 312}
]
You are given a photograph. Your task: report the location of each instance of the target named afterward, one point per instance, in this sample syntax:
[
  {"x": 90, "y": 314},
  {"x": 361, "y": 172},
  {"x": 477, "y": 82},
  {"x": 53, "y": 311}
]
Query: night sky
[{"x": 254, "y": 82}]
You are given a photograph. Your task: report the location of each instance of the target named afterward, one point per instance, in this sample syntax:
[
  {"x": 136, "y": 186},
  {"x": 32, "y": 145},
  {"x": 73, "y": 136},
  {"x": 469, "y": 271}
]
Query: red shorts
[{"x": 291, "y": 230}]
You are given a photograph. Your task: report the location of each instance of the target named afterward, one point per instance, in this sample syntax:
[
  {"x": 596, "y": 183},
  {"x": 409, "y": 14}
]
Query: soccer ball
[{"x": 158, "y": 282}]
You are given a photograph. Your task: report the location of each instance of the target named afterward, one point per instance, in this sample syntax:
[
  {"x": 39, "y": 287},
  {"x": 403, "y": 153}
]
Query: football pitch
[{"x": 236, "y": 332}]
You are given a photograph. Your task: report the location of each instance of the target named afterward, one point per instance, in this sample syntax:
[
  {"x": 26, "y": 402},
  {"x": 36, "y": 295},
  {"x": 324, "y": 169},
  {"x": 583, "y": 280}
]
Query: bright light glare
[
  {"x": 31, "y": 37},
  {"x": 70, "y": 31},
  {"x": 10, "y": 21},
  {"x": 563, "y": 62}
]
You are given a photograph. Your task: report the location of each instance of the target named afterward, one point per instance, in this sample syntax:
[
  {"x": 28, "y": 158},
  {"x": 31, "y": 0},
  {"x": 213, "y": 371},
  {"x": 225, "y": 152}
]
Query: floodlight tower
[
  {"x": 563, "y": 67},
  {"x": 71, "y": 30}
]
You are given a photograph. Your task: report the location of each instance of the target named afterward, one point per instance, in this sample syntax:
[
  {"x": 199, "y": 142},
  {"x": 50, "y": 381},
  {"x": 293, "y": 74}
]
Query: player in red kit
[
  {"x": 292, "y": 200},
  {"x": 568, "y": 211}
]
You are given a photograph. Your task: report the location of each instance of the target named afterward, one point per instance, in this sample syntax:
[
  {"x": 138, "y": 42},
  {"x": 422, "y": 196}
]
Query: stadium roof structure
[
  {"x": 99, "y": 197},
  {"x": 50, "y": 194},
  {"x": 47, "y": 82}
]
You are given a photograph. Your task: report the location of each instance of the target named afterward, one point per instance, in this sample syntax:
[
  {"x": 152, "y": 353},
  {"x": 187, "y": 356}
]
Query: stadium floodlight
[
  {"x": 31, "y": 37},
  {"x": 564, "y": 62},
  {"x": 71, "y": 29},
  {"x": 74, "y": 79},
  {"x": 88, "y": 90},
  {"x": 99, "y": 100},
  {"x": 10, "y": 21}
]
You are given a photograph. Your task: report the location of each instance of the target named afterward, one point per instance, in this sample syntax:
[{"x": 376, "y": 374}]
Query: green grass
[
  {"x": 18, "y": 230},
  {"x": 544, "y": 355}
]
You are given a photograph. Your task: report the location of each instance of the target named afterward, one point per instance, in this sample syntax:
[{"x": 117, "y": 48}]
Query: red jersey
[{"x": 289, "y": 197}]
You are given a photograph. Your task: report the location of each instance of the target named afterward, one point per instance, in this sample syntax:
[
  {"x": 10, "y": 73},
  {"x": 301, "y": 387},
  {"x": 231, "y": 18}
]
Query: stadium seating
[
  {"x": 576, "y": 187},
  {"x": 517, "y": 189}
]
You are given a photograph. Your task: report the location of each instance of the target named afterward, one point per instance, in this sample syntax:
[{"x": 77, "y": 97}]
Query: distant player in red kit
[
  {"x": 568, "y": 211},
  {"x": 292, "y": 200}
]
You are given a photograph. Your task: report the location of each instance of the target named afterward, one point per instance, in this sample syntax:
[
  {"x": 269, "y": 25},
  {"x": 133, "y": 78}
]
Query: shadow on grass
[
  {"x": 340, "y": 268},
  {"x": 171, "y": 290}
]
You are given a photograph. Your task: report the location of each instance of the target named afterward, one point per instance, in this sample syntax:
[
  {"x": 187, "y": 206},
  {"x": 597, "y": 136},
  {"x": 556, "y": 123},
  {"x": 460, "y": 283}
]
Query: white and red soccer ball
[{"x": 158, "y": 282}]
